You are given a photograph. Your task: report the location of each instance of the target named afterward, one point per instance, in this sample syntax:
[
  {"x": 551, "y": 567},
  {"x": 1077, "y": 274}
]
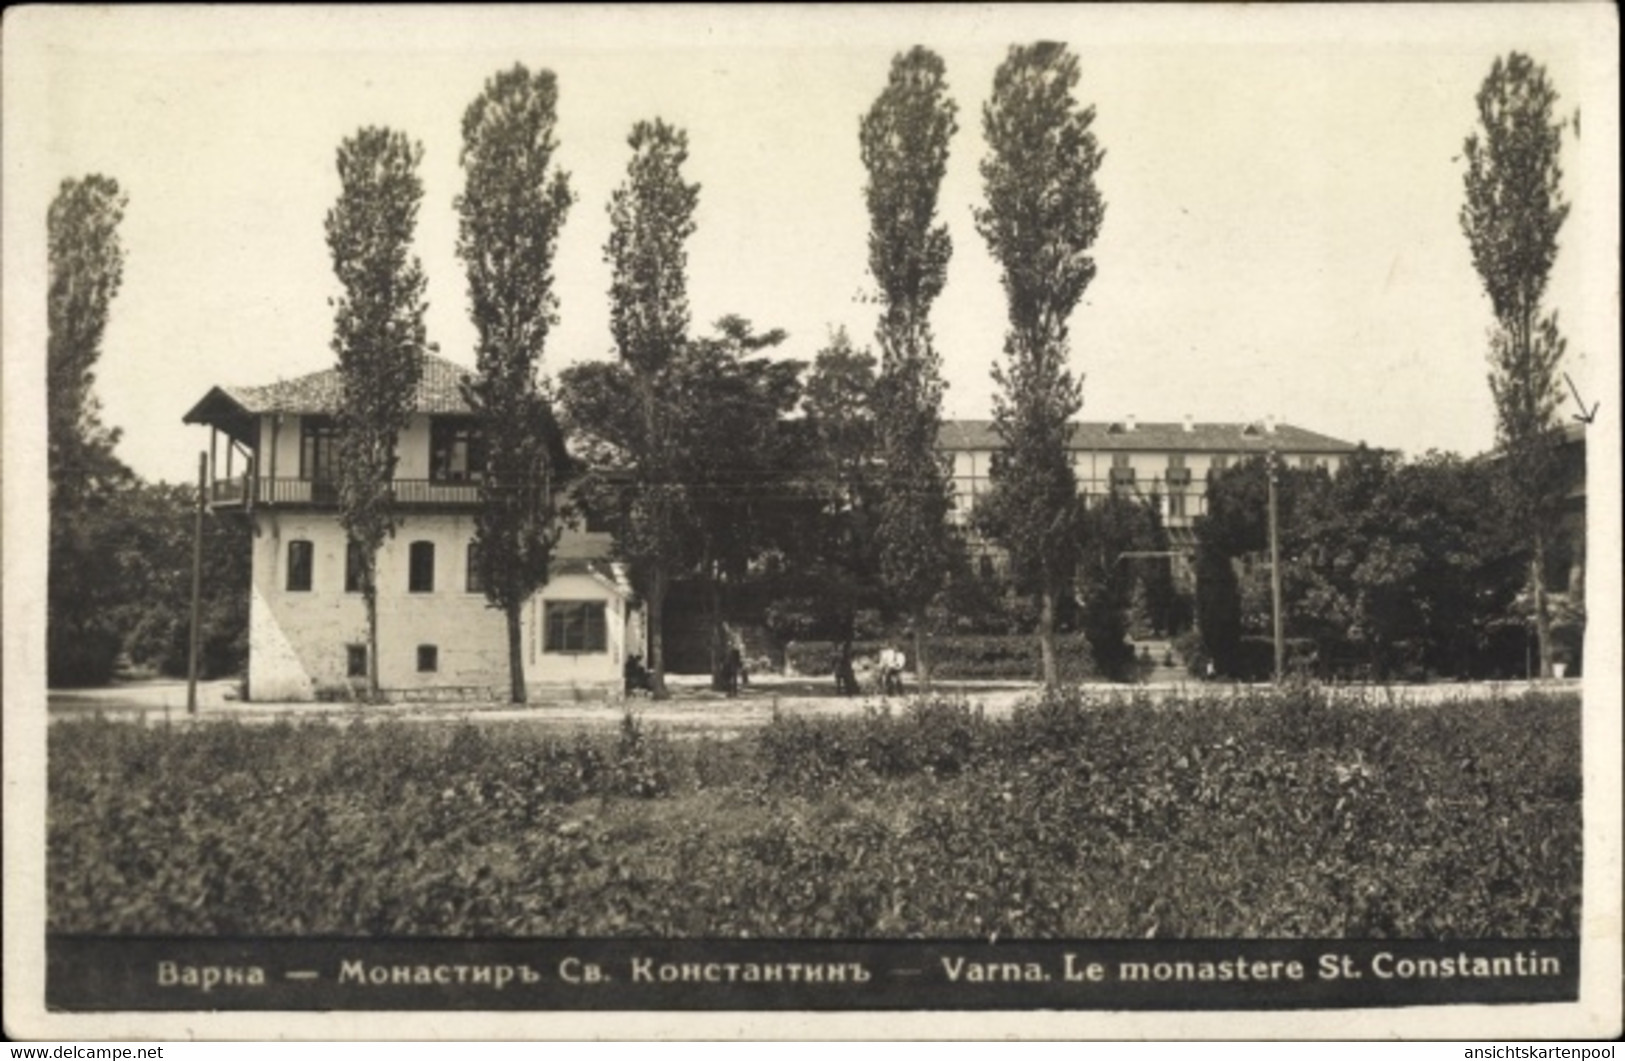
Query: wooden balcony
[{"x": 249, "y": 492}]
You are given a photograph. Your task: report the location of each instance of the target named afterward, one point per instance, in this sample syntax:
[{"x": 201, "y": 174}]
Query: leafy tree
[
  {"x": 1042, "y": 216},
  {"x": 1106, "y": 580},
  {"x": 904, "y": 143},
  {"x": 86, "y": 268},
  {"x": 513, "y": 204},
  {"x": 153, "y": 554},
  {"x": 632, "y": 423},
  {"x": 832, "y": 550},
  {"x": 732, "y": 453},
  {"x": 379, "y": 338},
  {"x": 1513, "y": 212}
]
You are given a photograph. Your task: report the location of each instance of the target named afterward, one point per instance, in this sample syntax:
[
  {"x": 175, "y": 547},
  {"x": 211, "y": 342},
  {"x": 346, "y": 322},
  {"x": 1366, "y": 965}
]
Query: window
[
  {"x": 1218, "y": 464},
  {"x": 318, "y": 448},
  {"x": 355, "y": 566},
  {"x": 472, "y": 578},
  {"x": 1176, "y": 505},
  {"x": 355, "y": 660},
  {"x": 1122, "y": 473},
  {"x": 428, "y": 658},
  {"x": 421, "y": 576},
  {"x": 301, "y": 563},
  {"x": 1178, "y": 474},
  {"x": 576, "y": 626},
  {"x": 456, "y": 450}
]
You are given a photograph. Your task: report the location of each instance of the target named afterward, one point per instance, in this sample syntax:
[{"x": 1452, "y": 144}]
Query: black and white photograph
[{"x": 927, "y": 522}]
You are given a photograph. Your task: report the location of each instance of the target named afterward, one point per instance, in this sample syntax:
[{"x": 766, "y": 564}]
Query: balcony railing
[{"x": 324, "y": 493}]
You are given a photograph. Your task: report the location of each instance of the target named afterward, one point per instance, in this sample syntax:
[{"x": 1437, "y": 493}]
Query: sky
[{"x": 1282, "y": 192}]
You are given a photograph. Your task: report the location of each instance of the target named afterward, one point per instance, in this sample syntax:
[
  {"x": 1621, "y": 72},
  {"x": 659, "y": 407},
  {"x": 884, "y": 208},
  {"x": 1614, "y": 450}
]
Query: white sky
[{"x": 1282, "y": 191}]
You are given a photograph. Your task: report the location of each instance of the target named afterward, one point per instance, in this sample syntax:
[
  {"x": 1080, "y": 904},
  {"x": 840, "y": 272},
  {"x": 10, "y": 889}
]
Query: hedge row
[{"x": 958, "y": 657}]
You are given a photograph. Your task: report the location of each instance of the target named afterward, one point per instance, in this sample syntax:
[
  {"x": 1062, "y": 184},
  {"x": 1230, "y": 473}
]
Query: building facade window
[
  {"x": 420, "y": 578},
  {"x": 1178, "y": 473},
  {"x": 1176, "y": 504},
  {"x": 576, "y": 626},
  {"x": 456, "y": 450},
  {"x": 355, "y": 661},
  {"x": 1218, "y": 464},
  {"x": 1122, "y": 474},
  {"x": 301, "y": 566},
  {"x": 428, "y": 659},
  {"x": 355, "y": 566},
  {"x": 318, "y": 448},
  {"x": 473, "y": 580}
]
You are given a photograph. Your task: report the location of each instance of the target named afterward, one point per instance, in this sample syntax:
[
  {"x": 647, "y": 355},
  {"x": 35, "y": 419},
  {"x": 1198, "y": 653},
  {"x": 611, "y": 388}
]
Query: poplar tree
[
  {"x": 904, "y": 143},
  {"x": 514, "y": 203},
  {"x": 1514, "y": 209},
  {"x": 379, "y": 338},
  {"x": 85, "y": 260},
  {"x": 651, "y": 217},
  {"x": 1042, "y": 216}
]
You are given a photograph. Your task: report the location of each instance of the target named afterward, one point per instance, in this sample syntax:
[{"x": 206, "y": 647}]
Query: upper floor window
[
  {"x": 456, "y": 450},
  {"x": 421, "y": 576},
  {"x": 1218, "y": 464},
  {"x": 318, "y": 448},
  {"x": 301, "y": 566},
  {"x": 1178, "y": 474}
]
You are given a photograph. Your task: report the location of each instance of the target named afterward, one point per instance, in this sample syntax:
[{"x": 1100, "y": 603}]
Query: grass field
[{"x": 1269, "y": 814}]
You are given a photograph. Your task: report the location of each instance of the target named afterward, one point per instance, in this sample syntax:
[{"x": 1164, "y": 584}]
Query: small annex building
[{"x": 272, "y": 460}]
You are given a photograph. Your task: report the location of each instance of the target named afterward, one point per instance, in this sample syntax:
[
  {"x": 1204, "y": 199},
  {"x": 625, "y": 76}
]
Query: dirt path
[{"x": 693, "y": 706}]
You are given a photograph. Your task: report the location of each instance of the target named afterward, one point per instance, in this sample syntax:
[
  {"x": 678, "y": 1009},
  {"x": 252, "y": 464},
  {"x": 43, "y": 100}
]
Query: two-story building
[
  {"x": 273, "y": 454},
  {"x": 1168, "y": 462}
]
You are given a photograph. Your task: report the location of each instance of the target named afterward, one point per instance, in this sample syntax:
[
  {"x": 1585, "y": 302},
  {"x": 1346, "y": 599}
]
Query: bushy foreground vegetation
[{"x": 1271, "y": 815}]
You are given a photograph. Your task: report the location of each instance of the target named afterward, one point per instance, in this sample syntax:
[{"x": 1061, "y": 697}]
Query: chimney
[
  {"x": 1269, "y": 424},
  {"x": 1189, "y": 425},
  {"x": 1128, "y": 422}
]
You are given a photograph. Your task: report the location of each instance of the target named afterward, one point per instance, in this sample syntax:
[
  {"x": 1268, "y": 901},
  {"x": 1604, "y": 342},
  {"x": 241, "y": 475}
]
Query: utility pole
[
  {"x": 197, "y": 583},
  {"x": 1275, "y": 569}
]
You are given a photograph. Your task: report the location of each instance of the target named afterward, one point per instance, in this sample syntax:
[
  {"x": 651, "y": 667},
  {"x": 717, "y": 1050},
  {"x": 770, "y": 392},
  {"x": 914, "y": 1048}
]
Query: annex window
[
  {"x": 473, "y": 580},
  {"x": 355, "y": 566},
  {"x": 301, "y": 566},
  {"x": 456, "y": 450},
  {"x": 318, "y": 448},
  {"x": 420, "y": 578},
  {"x": 355, "y": 661},
  {"x": 428, "y": 658},
  {"x": 576, "y": 626}
]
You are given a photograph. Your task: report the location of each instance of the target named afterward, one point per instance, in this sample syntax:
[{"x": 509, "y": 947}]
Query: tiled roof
[
  {"x": 318, "y": 392},
  {"x": 1158, "y": 437}
]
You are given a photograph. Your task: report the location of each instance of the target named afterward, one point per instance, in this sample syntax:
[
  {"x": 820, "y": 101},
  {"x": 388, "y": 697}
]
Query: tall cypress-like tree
[
  {"x": 1042, "y": 216},
  {"x": 904, "y": 143},
  {"x": 1512, "y": 215},
  {"x": 513, "y": 205},
  {"x": 86, "y": 268},
  {"x": 651, "y": 217},
  {"x": 379, "y": 338}
]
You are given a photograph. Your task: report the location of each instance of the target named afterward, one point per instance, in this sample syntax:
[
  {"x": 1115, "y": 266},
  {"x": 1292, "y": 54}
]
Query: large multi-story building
[
  {"x": 436, "y": 633},
  {"x": 1168, "y": 462}
]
